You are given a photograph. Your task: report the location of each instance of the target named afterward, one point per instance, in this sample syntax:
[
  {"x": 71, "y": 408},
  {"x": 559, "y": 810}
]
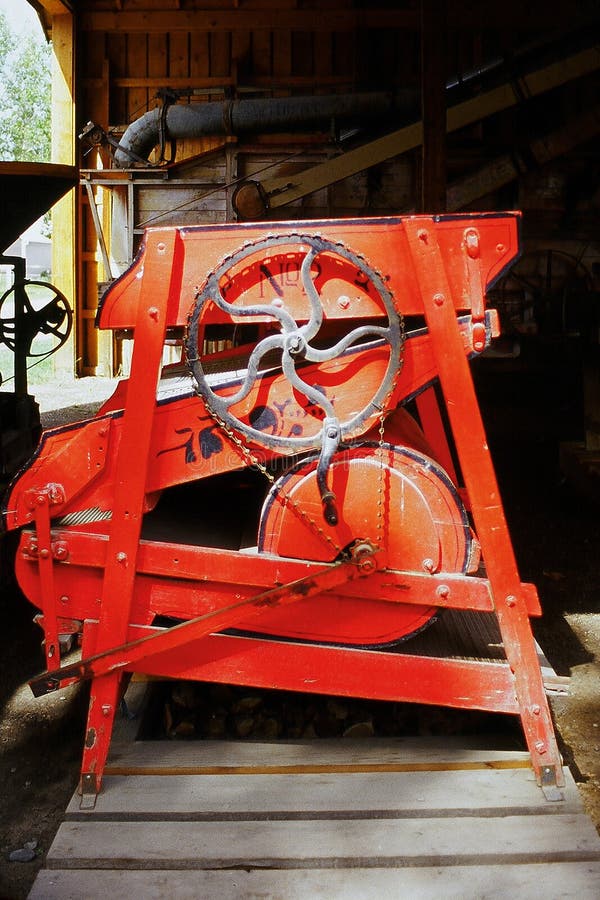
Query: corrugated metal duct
[{"x": 259, "y": 115}]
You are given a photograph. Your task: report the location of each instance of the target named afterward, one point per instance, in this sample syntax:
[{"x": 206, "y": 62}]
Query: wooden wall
[{"x": 127, "y": 50}]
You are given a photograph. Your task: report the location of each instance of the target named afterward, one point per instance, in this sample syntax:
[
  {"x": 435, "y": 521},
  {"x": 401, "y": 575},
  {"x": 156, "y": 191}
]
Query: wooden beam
[
  {"x": 460, "y": 15},
  {"x": 64, "y": 214},
  {"x": 53, "y": 7},
  {"x": 505, "y": 169},
  {"x": 285, "y": 189},
  {"x": 433, "y": 105},
  {"x": 216, "y": 82},
  {"x": 342, "y": 19}
]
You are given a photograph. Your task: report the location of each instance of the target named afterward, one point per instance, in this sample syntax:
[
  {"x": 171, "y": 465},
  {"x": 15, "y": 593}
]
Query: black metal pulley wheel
[{"x": 35, "y": 318}]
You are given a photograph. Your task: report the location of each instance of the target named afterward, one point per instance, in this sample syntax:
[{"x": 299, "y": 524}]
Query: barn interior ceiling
[{"x": 192, "y": 112}]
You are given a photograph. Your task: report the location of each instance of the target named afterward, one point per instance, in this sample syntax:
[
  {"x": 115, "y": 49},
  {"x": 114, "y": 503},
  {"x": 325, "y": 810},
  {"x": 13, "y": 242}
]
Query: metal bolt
[
  {"x": 428, "y": 565},
  {"x": 500, "y": 248},
  {"x": 511, "y": 600},
  {"x": 535, "y": 709},
  {"x": 439, "y": 299},
  {"x": 56, "y": 494},
  {"x": 443, "y": 591},
  {"x": 423, "y": 235},
  {"x": 161, "y": 247},
  {"x": 153, "y": 313},
  {"x": 40, "y": 499},
  {"x": 472, "y": 242},
  {"x": 64, "y": 598},
  {"x": 367, "y": 564},
  {"x": 44, "y": 553},
  {"x": 121, "y": 557},
  {"x": 344, "y": 302},
  {"x": 106, "y": 709},
  {"x": 540, "y": 747}
]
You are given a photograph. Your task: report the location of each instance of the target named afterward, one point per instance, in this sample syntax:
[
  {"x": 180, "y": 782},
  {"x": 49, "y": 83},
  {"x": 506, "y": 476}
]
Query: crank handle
[{"x": 329, "y": 445}]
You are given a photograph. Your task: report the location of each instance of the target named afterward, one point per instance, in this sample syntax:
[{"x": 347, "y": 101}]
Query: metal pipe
[{"x": 243, "y": 116}]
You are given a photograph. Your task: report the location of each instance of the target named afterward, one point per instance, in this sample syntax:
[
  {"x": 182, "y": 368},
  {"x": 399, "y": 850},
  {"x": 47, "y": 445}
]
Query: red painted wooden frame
[{"x": 98, "y": 570}]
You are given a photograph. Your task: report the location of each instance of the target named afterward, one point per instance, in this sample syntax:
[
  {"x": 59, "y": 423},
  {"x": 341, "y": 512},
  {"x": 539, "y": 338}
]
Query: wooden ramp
[{"x": 379, "y": 818}]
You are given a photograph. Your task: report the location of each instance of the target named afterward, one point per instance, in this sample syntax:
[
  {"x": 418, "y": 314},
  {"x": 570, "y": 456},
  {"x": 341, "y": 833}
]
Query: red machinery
[{"x": 266, "y": 512}]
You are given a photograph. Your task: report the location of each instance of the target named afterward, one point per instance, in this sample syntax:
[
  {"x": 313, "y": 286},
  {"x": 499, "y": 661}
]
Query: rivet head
[
  {"x": 439, "y": 299},
  {"x": 443, "y": 591},
  {"x": 511, "y": 600}
]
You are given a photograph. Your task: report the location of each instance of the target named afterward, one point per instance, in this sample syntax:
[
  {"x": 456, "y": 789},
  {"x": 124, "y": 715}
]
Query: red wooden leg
[{"x": 488, "y": 514}]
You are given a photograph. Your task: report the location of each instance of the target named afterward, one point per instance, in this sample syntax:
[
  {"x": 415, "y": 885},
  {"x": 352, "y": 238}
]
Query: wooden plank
[
  {"x": 408, "y": 754},
  {"x": 199, "y": 57},
  {"x": 282, "y": 53},
  {"x": 116, "y": 53},
  {"x": 220, "y": 53},
  {"x": 157, "y": 64},
  {"x": 433, "y": 105},
  {"x": 411, "y": 136},
  {"x": 336, "y": 19},
  {"x": 569, "y": 881},
  {"x": 302, "y": 53},
  {"x": 323, "y": 844},
  {"x": 262, "y": 63},
  {"x": 323, "y": 52},
  {"x": 352, "y": 795},
  {"x": 343, "y": 20},
  {"x": 220, "y": 81}
]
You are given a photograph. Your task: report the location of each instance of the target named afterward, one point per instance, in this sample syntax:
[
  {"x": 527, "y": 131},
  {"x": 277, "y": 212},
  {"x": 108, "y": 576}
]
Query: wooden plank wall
[{"x": 212, "y": 49}]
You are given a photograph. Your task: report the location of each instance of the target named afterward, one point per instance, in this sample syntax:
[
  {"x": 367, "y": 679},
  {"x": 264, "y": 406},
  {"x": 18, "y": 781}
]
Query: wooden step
[{"x": 377, "y": 818}]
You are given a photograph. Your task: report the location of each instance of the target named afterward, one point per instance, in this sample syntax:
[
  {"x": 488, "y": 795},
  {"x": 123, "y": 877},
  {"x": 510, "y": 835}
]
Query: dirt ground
[{"x": 530, "y": 408}]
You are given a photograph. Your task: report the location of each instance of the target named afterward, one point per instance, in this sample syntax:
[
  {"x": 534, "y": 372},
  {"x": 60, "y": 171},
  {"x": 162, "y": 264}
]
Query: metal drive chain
[
  {"x": 283, "y": 497},
  {"x": 380, "y": 525}
]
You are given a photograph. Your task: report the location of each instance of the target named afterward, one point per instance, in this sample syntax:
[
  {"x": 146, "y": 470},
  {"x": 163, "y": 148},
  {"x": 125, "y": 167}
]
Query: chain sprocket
[{"x": 306, "y": 273}]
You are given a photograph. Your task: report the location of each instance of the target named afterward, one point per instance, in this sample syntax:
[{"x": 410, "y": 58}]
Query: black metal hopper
[{"x": 27, "y": 191}]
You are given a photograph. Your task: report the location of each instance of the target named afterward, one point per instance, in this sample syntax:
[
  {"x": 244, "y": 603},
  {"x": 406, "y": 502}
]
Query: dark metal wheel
[
  {"x": 35, "y": 317},
  {"x": 293, "y": 288}
]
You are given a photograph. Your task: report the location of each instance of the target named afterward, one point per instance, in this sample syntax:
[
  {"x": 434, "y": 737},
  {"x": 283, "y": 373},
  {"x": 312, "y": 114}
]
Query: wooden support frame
[{"x": 443, "y": 266}]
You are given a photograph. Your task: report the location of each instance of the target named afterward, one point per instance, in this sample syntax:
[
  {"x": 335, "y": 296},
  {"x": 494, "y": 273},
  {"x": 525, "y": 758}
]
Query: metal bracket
[
  {"x": 89, "y": 790},
  {"x": 549, "y": 786}
]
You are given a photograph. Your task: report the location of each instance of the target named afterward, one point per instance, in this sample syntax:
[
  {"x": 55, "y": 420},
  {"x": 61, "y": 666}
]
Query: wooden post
[
  {"x": 433, "y": 106},
  {"x": 63, "y": 151}
]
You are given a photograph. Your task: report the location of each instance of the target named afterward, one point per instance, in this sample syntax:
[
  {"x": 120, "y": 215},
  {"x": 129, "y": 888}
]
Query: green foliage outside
[
  {"x": 25, "y": 90},
  {"x": 25, "y": 136}
]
